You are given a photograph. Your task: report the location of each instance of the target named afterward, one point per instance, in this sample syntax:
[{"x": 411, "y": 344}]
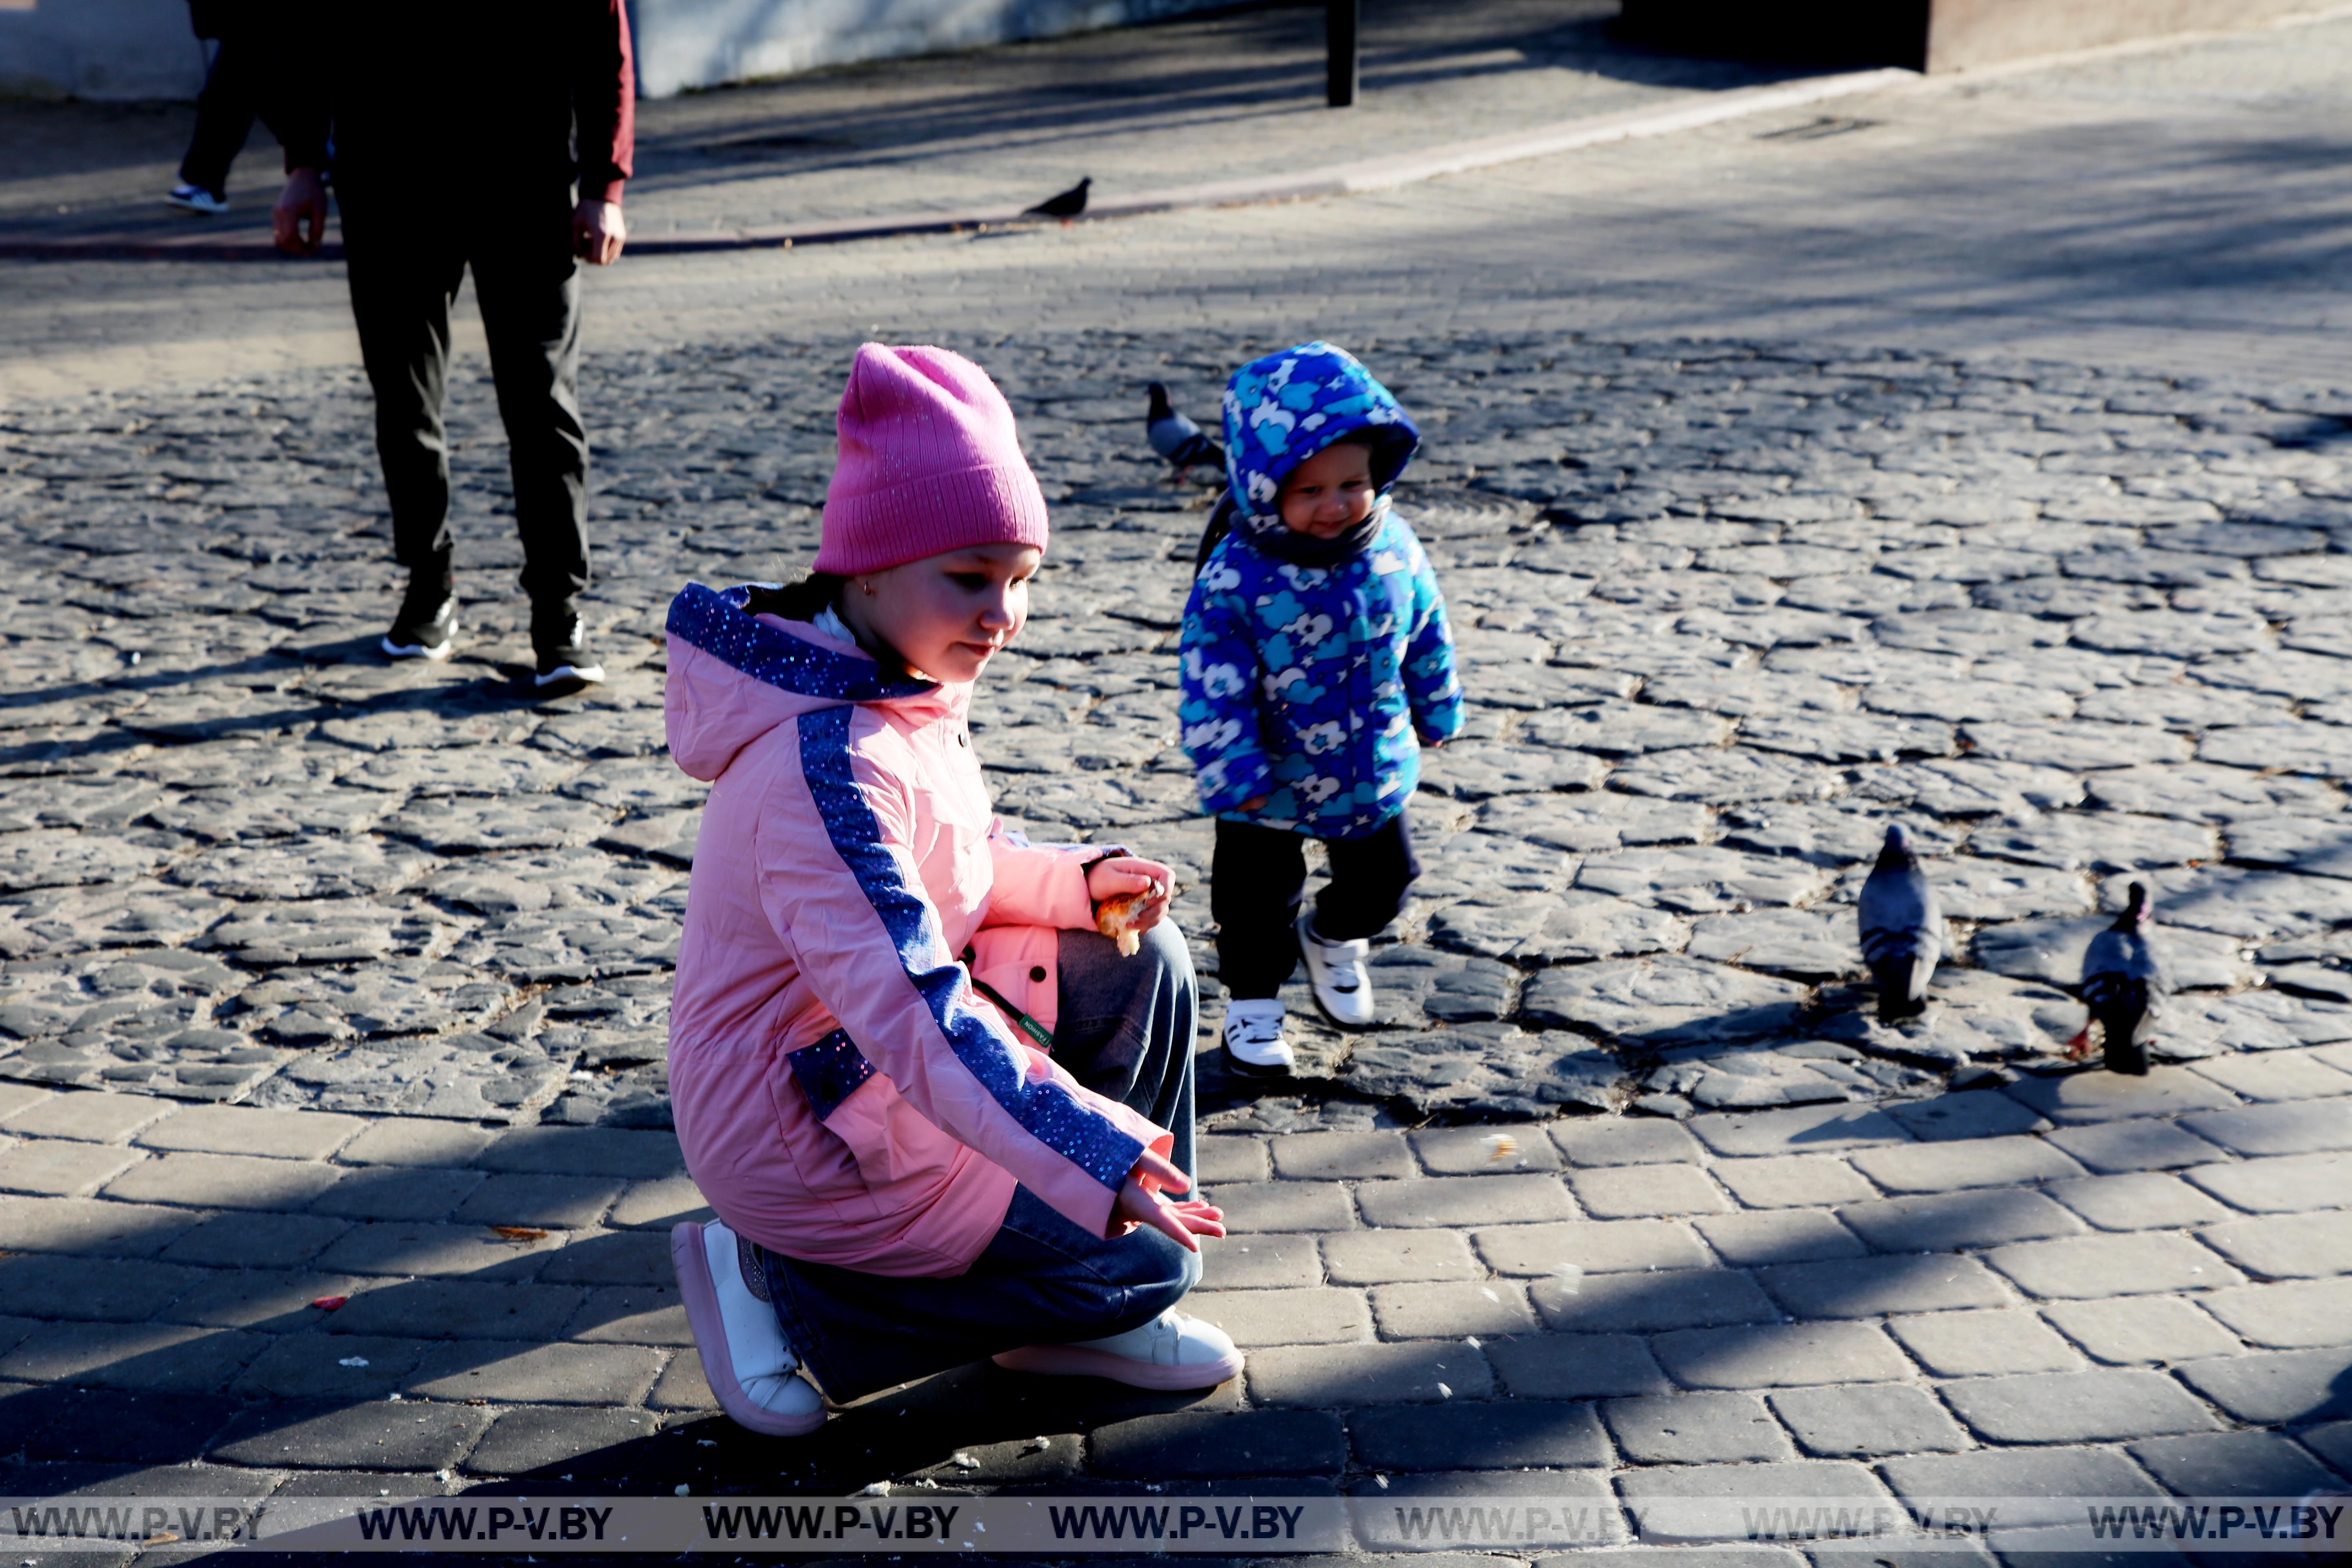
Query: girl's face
[
  {"x": 1331, "y": 492},
  {"x": 947, "y": 615}
]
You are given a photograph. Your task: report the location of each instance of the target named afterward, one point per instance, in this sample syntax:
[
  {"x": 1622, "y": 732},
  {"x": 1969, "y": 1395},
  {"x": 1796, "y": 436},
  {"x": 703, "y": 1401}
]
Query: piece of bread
[{"x": 1115, "y": 917}]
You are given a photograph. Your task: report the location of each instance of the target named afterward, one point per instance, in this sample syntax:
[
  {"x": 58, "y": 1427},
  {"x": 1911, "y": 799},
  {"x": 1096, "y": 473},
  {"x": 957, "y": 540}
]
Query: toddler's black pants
[{"x": 1254, "y": 884}]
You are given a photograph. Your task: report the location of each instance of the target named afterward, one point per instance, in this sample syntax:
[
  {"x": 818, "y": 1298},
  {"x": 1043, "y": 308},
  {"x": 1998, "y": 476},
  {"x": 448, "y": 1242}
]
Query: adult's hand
[
  {"x": 1139, "y": 1203},
  {"x": 298, "y": 222},
  {"x": 1127, "y": 874},
  {"x": 598, "y": 232}
]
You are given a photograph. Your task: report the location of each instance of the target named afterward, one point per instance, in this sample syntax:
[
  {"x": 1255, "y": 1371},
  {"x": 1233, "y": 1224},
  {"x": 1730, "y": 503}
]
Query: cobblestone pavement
[{"x": 318, "y": 971}]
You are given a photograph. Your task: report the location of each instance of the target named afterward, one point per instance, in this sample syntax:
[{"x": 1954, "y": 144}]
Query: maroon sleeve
[{"x": 604, "y": 100}]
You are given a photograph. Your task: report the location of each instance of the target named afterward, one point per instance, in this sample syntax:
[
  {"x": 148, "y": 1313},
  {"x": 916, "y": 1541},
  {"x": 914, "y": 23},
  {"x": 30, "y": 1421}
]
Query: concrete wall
[
  {"x": 1965, "y": 33},
  {"x": 685, "y": 44},
  {"x": 98, "y": 48}
]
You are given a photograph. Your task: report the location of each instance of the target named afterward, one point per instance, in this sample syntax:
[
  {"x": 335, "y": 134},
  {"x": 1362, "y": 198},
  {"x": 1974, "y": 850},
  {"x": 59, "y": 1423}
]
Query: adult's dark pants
[
  {"x": 405, "y": 259},
  {"x": 1256, "y": 880},
  {"x": 225, "y": 109},
  {"x": 1126, "y": 1032}
]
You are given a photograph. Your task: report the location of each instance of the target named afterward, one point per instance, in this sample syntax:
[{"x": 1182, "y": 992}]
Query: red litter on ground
[{"x": 329, "y": 1303}]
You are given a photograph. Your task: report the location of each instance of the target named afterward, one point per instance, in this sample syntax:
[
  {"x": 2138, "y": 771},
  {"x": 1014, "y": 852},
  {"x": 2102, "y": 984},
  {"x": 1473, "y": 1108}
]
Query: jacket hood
[
  {"x": 1283, "y": 410},
  {"x": 734, "y": 676}
]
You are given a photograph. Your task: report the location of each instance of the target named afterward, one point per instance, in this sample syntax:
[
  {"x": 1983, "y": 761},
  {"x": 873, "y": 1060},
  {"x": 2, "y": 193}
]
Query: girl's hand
[
  {"x": 1115, "y": 879},
  {"x": 1139, "y": 1203}
]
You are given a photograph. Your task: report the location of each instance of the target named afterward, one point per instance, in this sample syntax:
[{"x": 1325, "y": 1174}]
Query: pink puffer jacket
[{"x": 842, "y": 1093}]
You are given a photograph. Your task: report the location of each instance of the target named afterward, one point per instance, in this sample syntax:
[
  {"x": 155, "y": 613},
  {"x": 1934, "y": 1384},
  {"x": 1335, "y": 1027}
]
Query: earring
[{"x": 868, "y": 588}]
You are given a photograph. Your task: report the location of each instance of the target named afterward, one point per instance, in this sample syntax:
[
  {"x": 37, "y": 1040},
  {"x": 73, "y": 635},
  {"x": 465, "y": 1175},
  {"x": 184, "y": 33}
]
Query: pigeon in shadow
[
  {"x": 1175, "y": 438},
  {"x": 1902, "y": 929},
  {"x": 1065, "y": 207},
  {"x": 2123, "y": 986}
]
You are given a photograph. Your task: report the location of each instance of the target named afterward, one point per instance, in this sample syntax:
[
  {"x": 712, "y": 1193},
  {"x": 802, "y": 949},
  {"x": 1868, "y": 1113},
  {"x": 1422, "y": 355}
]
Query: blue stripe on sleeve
[{"x": 1047, "y": 1111}]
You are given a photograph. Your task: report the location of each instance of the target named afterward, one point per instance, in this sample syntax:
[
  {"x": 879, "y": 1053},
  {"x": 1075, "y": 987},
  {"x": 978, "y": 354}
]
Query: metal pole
[{"x": 1339, "y": 24}]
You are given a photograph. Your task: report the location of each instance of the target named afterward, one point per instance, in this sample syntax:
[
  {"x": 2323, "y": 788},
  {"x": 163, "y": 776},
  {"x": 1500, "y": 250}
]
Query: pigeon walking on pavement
[
  {"x": 1175, "y": 438},
  {"x": 1065, "y": 207},
  {"x": 2123, "y": 986},
  {"x": 1902, "y": 929}
]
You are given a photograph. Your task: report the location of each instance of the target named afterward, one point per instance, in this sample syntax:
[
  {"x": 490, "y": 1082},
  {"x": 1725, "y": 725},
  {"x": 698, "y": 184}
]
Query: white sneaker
[
  {"x": 195, "y": 199},
  {"x": 744, "y": 1357},
  {"x": 1254, "y": 1042},
  {"x": 1336, "y": 970},
  {"x": 1171, "y": 1351}
]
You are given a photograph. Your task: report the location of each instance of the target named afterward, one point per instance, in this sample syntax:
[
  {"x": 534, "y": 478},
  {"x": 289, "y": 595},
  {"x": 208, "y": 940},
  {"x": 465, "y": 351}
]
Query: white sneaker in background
[
  {"x": 1336, "y": 970},
  {"x": 195, "y": 199},
  {"x": 1254, "y": 1042},
  {"x": 749, "y": 1366}
]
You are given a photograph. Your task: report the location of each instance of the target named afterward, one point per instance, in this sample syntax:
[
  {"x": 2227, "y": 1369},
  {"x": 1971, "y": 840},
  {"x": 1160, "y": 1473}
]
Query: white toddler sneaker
[
  {"x": 1171, "y": 1351},
  {"x": 1254, "y": 1043},
  {"x": 1336, "y": 970},
  {"x": 744, "y": 1356}
]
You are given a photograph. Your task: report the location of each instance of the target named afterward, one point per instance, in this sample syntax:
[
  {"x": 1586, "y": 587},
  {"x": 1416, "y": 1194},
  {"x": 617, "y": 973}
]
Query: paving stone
[
  {"x": 1473, "y": 1150},
  {"x": 1185, "y": 1443},
  {"x": 2092, "y": 1266},
  {"x": 1666, "y": 1001},
  {"x": 659, "y": 1205},
  {"x": 2037, "y": 1486},
  {"x": 1779, "y": 1355},
  {"x": 1976, "y": 1344},
  {"x": 2275, "y": 1076},
  {"x": 1971, "y": 1115},
  {"x": 1576, "y": 1366},
  {"x": 1810, "y": 1129},
  {"x": 558, "y": 1202},
  {"x": 271, "y": 1299},
  {"x": 60, "y": 1169},
  {"x": 1601, "y": 1247},
  {"x": 224, "y": 1181},
  {"x": 347, "y": 1366},
  {"x": 1435, "y": 1310},
  {"x": 1953, "y": 1164},
  {"x": 1324, "y": 1376},
  {"x": 2106, "y": 1096},
  {"x": 1869, "y": 1286},
  {"x": 1788, "y": 1236},
  {"x": 91, "y": 1225},
  {"x": 398, "y": 1193},
  {"x": 1217, "y": 1160},
  {"x": 1558, "y": 928},
  {"x": 2130, "y": 1329},
  {"x": 2101, "y": 1406},
  {"x": 2284, "y": 1185},
  {"x": 1259, "y": 1261},
  {"x": 1464, "y": 1200},
  {"x": 1295, "y": 1316},
  {"x": 2137, "y": 1145},
  {"x": 1648, "y": 1302},
  {"x": 1626, "y": 1191},
  {"x": 2274, "y": 1387},
  {"x": 2144, "y": 1201},
  {"x": 1806, "y": 944},
  {"x": 1704, "y": 1502},
  {"x": 179, "y": 1357},
  {"x": 473, "y": 1251},
  {"x": 93, "y": 1424},
  {"x": 97, "y": 1118},
  {"x": 632, "y": 1315},
  {"x": 1940, "y": 1222},
  {"x": 2289, "y": 1315},
  {"x": 2233, "y": 1464},
  {"x": 1381, "y": 1256},
  {"x": 2292, "y": 1129},
  {"x": 2332, "y": 1442},
  {"x": 583, "y": 1152},
  {"x": 1325, "y": 1156},
  {"x": 1521, "y": 1434},
  {"x": 1616, "y": 1141},
  {"x": 1285, "y": 1206},
  {"x": 458, "y": 1309},
  {"x": 1792, "y": 1180},
  {"x": 403, "y": 1140},
  {"x": 682, "y": 1386},
  {"x": 536, "y": 1374},
  {"x": 1867, "y": 1420},
  {"x": 611, "y": 1257},
  {"x": 1696, "y": 1428},
  {"x": 255, "y": 1241},
  {"x": 538, "y": 1437},
  {"x": 2284, "y": 1247},
  {"x": 38, "y": 1287},
  {"x": 320, "y": 1435}
]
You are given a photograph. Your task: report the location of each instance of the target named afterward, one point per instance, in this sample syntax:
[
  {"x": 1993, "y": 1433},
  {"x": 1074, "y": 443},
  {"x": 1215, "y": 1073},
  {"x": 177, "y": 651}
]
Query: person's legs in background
[
  {"x": 1254, "y": 880},
  {"x": 224, "y": 114},
  {"x": 529, "y": 285},
  {"x": 403, "y": 282}
]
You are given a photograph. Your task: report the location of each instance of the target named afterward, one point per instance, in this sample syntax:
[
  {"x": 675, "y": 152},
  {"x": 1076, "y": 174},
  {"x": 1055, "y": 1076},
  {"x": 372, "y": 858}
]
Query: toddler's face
[{"x": 1331, "y": 492}]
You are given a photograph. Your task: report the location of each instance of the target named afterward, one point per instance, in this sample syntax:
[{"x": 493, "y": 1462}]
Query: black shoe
[
  {"x": 565, "y": 664},
  {"x": 426, "y": 622}
]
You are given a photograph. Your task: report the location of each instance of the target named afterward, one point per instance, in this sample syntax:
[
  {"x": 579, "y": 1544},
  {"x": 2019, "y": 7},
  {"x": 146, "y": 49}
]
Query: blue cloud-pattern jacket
[{"x": 1313, "y": 683}]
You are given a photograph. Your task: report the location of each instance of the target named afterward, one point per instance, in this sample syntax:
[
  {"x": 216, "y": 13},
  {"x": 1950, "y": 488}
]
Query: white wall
[
  {"x": 683, "y": 44},
  {"x": 98, "y": 48}
]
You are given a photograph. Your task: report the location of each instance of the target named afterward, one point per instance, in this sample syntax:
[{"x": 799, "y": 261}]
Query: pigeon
[
  {"x": 2125, "y": 985},
  {"x": 1902, "y": 929},
  {"x": 1065, "y": 207},
  {"x": 1175, "y": 438}
]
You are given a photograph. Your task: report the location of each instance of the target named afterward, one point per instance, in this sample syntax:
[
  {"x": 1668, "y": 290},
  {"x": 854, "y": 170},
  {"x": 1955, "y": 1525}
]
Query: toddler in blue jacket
[{"x": 1316, "y": 663}]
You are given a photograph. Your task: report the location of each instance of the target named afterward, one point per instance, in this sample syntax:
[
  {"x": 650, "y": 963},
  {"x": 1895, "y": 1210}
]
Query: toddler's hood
[
  {"x": 1283, "y": 410},
  {"x": 734, "y": 676}
]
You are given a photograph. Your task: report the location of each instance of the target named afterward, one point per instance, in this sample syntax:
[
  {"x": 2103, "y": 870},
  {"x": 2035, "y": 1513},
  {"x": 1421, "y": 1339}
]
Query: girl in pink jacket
[{"x": 935, "y": 1113}]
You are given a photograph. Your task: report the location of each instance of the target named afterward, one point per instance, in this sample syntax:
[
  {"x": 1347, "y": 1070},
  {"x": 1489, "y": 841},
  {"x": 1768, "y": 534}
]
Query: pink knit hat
[{"x": 928, "y": 463}]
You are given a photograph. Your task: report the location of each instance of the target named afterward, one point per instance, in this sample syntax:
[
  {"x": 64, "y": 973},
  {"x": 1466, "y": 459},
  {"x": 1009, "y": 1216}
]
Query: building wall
[
  {"x": 1965, "y": 33},
  {"x": 98, "y": 48}
]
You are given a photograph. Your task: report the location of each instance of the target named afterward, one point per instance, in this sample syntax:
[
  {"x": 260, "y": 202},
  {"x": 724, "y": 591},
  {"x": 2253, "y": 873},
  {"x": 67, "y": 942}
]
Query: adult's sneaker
[
  {"x": 428, "y": 620},
  {"x": 565, "y": 664},
  {"x": 1253, "y": 1044},
  {"x": 1171, "y": 1351},
  {"x": 197, "y": 199},
  {"x": 1336, "y": 971},
  {"x": 750, "y": 1370}
]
